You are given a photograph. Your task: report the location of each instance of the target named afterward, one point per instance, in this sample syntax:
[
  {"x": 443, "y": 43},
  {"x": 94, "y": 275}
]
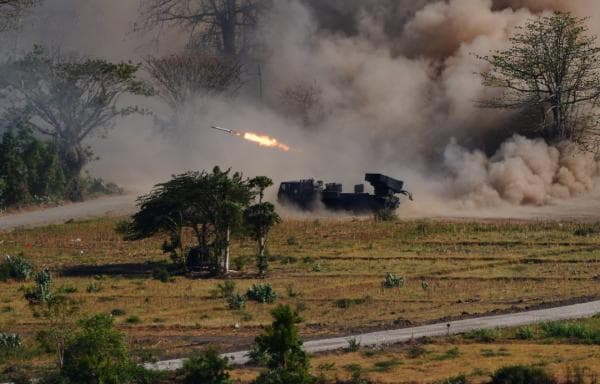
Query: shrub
[
  {"x": 572, "y": 331},
  {"x": 524, "y": 333},
  {"x": 482, "y": 335},
  {"x": 93, "y": 287},
  {"x": 162, "y": 274},
  {"x": 205, "y": 367},
  {"x": 224, "y": 290},
  {"x": 16, "y": 268},
  {"x": 353, "y": 345},
  {"x": 386, "y": 214},
  {"x": 262, "y": 293},
  {"x": 117, "y": 312},
  {"x": 392, "y": 281},
  {"x": 347, "y": 303},
  {"x": 9, "y": 343},
  {"x": 133, "y": 320},
  {"x": 241, "y": 262},
  {"x": 97, "y": 354},
  {"x": 519, "y": 374},
  {"x": 236, "y": 301},
  {"x": 41, "y": 292}
]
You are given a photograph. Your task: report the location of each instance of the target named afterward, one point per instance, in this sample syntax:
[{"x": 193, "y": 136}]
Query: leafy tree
[
  {"x": 97, "y": 354},
  {"x": 206, "y": 368},
  {"x": 280, "y": 349},
  {"x": 68, "y": 98},
  {"x": 210, "y": 204},
  {"x": 551, "y": 76},
  {"x": 225, "y": 26},
  {"x": 12, "y": 11},
  {"x": 259, "y": 219},
  {"x": 29, "y": 167}
]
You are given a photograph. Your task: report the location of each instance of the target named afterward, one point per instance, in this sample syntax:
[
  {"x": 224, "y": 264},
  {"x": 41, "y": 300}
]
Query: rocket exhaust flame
[{"x": 261, "y": 140}]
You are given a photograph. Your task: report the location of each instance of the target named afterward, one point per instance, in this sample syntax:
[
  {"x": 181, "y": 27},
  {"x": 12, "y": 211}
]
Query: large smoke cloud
[{"x": 398, "y": 86}]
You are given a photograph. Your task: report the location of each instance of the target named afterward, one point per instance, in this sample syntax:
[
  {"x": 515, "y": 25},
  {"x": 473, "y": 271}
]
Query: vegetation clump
[
  {"x": 206, "y": 367},
  {"x": 262, "y": 293},
  {"x": 392, "y": 281},
  {"x": 15, "y": 268},
  {"x": 520, "y": 374}
]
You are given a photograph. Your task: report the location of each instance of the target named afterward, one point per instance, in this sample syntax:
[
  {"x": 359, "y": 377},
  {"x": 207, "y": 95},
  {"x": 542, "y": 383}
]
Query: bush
[
  {"x": 224, "y": 290},
  {"x": 93, "y": 287},
  {"x": 519, "y": 374},
  {"x": 241, "y": 262},
  {"x": 482, "y": 335},
  {"x": 9, "y": 343},
  {"x": 236, "y": 301},
  {"x": 347, "y": 303},
  {"x": 98, "y": 355},
  {"x": 568, "y": 330},
  {"x": 392, "y": 281},
  {"x": 41, "y": 292},
  {"x": 206, "y": 368},
  {"x": 117, "y": 312},
  {"x": 386, "y": 214},
  {"x": 15, "y": 268},
  {"x": 353, "y": 345},
  {"x": 262, "y": 293},
  {"x": 524, "y": 333},
  {"x": 133, "y": 320}
]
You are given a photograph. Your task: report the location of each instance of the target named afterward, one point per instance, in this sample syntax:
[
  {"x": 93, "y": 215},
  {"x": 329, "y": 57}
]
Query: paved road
[
  {"x": 401, "y": 335},
  {"x": 93, "y": 208}
]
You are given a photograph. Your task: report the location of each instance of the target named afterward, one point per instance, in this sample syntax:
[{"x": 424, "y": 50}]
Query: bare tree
[
  {"x": 12, "y": 11},
  {"x": 551, "y": 76},
  {"x": 68, "y": 98},
  {"x": 303, "y": 101},
  {"x": 181, "y": 77},
  {"x": 223, "y": 25}
]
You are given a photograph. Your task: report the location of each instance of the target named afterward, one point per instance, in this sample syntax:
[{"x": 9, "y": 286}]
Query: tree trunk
[{"x": 226, "y": 259}]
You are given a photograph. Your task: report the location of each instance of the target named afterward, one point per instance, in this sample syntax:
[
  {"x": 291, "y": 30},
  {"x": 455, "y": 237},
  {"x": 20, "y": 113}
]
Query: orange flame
[{"x": 265, "y": 141}]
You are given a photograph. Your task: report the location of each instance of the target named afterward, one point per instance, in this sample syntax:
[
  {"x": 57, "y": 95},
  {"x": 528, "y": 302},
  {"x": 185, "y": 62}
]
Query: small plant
[
  {"x": 524, "y": 333},
  {"x": 262, "y": 293},
  {"x": 586, "y": 230},
  {"x": 482, "y": 335},
  {"x": 353, "y": 345},
  {"x": 224, "y": 290},
  {"x": 292, "y": 241},
  {"x": 347, "y": 303},
  {"x": 386, "y": 365},
  {"x": 416, "y": 351},
  {"x": 241, "y": 262},
  {"x": 236, "y": 301},
  {"x": 16, "y": 268},
  {"x": 393, "y": 281},
  {"x": 117, "y": 312},
  {"x": 93, "y": 287},
  {"x": 580, "y": 332},
  {"x": 205, "y": 367},
  {"x": 520, "y": 374},
  {"x": 41, "y": 292},
  {"x": 452, "y": 353},
  {"x": 66, "y": 289},
  {"x": 9, "y": 343},
  {"x": 386, "y": 214},
  {"x": 162, "y": 274},
  {"x": 133, "y": 320},
  {"x": 316, "y": 267}
]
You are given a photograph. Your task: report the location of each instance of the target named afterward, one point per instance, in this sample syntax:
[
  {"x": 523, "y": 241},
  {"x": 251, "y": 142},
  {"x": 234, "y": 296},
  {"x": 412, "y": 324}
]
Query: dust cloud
[{"x": 398, "y": 88}]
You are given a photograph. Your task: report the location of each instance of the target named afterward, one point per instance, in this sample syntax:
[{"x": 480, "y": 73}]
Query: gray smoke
[{"x": 398, "y": 90}]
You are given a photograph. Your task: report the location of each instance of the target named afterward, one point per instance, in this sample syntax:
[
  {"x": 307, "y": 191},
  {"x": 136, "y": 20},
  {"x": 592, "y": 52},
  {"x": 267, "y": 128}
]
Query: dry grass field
[{"x": 331, "y": 270}]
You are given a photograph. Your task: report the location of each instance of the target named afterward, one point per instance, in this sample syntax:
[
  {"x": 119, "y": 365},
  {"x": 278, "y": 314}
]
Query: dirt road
[
  {"x": 439, "y": 329},
  {"x": 107, "y": 206}
]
